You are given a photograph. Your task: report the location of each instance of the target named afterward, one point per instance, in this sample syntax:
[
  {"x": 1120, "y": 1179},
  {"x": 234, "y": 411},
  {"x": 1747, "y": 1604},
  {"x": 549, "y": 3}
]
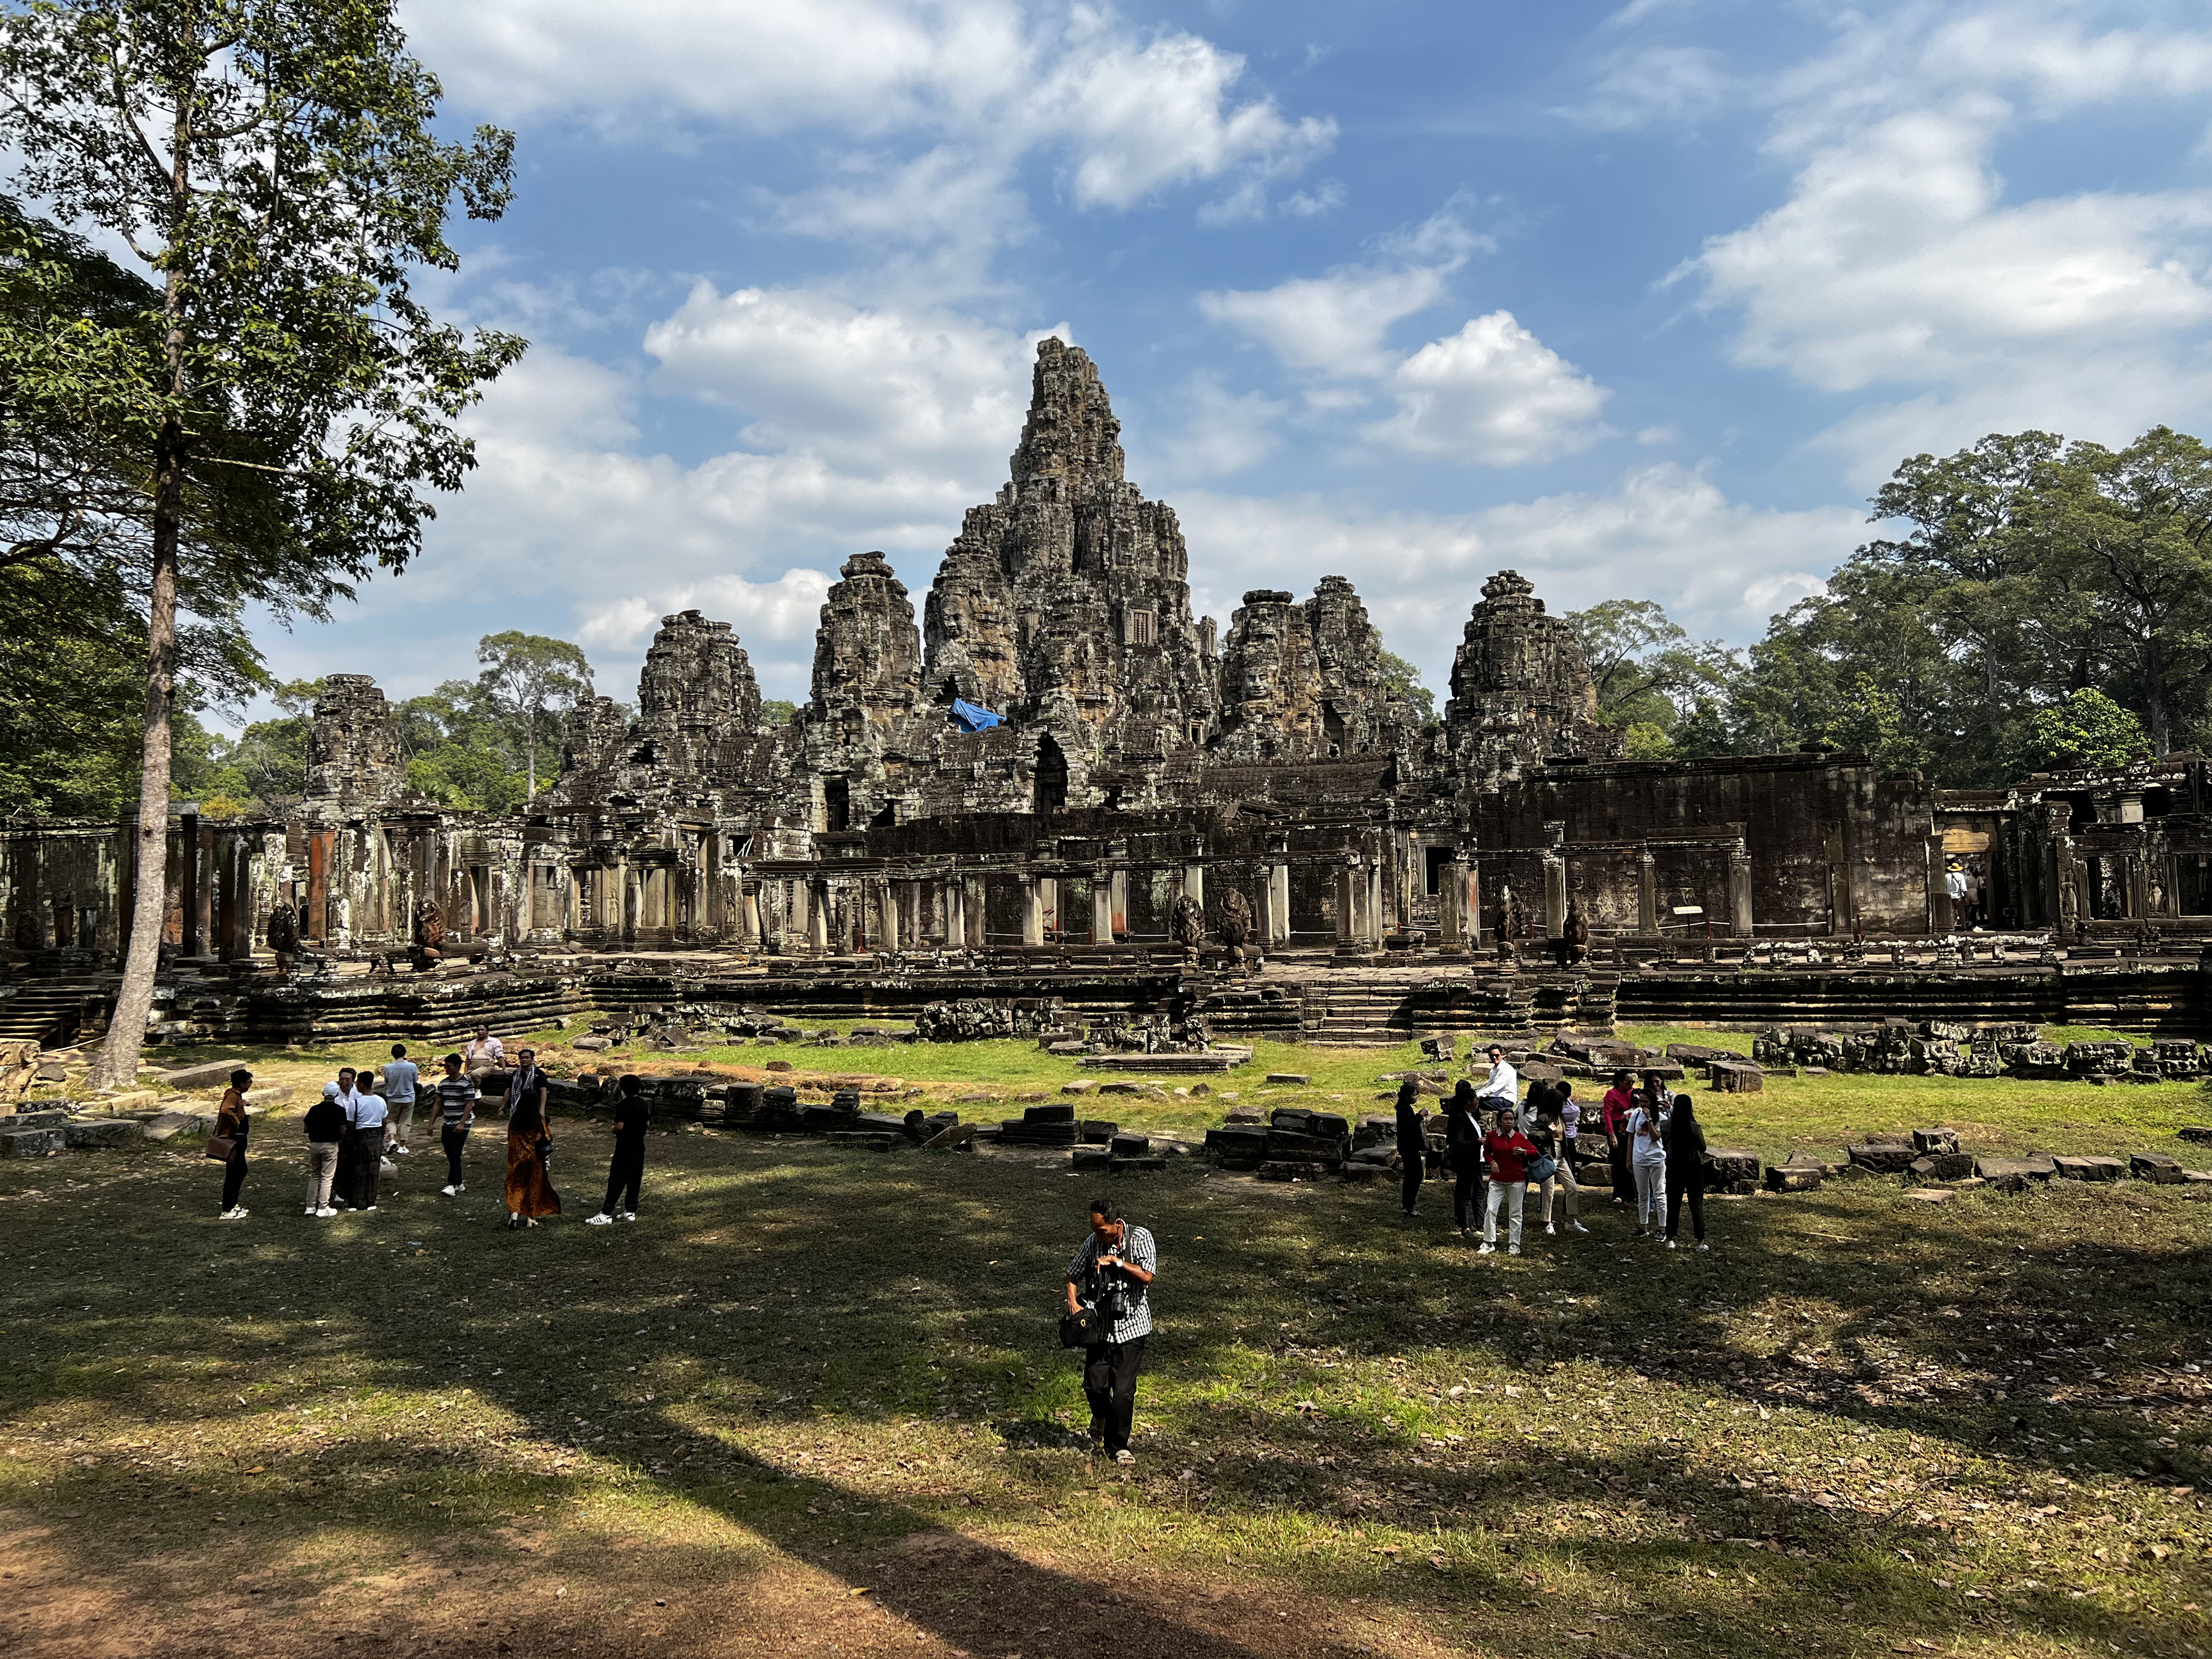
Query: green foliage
[
  {"x": 777, "y": 711},
  {"x": 462, "y": 749},
  {"x": 531, "y": 680},
  {"x": 1648, "y": 740},
  {"x": 1645, "y": 669},
  {"x": 1402, "y": 678},
  {"x": 2087, "y": 729}
]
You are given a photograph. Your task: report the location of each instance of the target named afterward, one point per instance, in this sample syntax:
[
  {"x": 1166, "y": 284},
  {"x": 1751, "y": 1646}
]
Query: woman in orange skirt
[{"x": 529, "y": 1192}]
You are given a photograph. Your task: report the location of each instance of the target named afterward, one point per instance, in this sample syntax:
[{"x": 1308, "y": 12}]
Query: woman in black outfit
[
  {"x": 1685, "y": 1170},
  {"x": 1463, "y": 1150},
  {"x": 1413, "y": 1144}
]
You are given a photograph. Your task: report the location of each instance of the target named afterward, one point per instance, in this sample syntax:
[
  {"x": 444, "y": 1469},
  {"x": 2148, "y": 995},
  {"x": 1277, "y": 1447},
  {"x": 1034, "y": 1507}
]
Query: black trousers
[
  {"x": 452, "y": 1140},
  {"x": 368, "y": 1153},
  {"x": 626, "y": 1170},
  {"x": 233, "y": 1177},
  {"x": 1690, "y": 1184},
  {"x": 1109, "y": 1382},
  {"x": 1409, "y": 1186},
  {"x": 1467, "y": 1183}
]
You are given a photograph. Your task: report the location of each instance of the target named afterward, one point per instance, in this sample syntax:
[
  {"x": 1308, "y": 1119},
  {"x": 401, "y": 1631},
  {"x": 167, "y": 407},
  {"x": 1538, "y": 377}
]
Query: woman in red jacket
[{"x": 1619, "y": 1102}]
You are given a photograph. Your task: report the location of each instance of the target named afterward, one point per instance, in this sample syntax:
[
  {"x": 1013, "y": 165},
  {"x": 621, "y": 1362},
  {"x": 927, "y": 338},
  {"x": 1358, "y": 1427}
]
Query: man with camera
[{"x": 1112, "y": 1274}]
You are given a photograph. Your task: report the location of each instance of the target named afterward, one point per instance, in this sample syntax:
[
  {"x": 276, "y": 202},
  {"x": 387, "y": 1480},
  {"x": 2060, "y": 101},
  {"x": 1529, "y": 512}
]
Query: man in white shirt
[
  {"x": 1502, "y": 1088},
  {"x": 365, "y": 1116}
]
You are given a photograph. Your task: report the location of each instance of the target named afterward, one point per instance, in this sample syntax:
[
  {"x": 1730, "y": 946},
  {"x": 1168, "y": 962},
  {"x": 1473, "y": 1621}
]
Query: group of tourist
[
  {"x": 363, "y": 1121},
  {"x": 1497, "y": 1143}
]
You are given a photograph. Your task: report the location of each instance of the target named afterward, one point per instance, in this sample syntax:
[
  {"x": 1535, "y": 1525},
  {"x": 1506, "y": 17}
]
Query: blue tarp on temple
[{"x": 971, "y": 717}]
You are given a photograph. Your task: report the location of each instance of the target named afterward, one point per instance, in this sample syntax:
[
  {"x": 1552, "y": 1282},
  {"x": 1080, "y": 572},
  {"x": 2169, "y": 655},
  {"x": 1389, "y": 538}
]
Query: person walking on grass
[
  {"x": 1113, "y": 1272},
  {"x": 1647, "y": 1152},
  {"x": 232, "y": 1122},
  {"x": 526, "y": 1081},
  {"x": 530, "y": 1194},
  {"x": 1613, "y": 1116},
  {"x": 1412, "y": 1144},
  {"x": 400, "y": 1078},
  {"x": 456, "y": 1096},
  {"x": 326, "y": 1133},
  {"x": 1463, "y": 1153},
  {"x": 626, "y": 1170},
  {"x": 1685, "y": 1170},
  {"x": 1508, "y": 1154}
]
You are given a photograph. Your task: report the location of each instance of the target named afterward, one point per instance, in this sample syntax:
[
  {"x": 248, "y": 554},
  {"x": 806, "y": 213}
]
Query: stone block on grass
[
  {"x": 1737, "y": 1076},
  {"x": 1794, "y": 1177},
  {"x": 1935, "y": 1140},
  {"x": 1942, "y": 1166},
  {"x": 30, "y": 1143},
  {"x": 169, "y": 1125},
  {"x": 2090, "y": 1168},
  {"x": 1090, "y": 1157},
  {"x": 1882, "y": 1158},
  {"x": 102, "y": 1133},
  {"x": 1732, "y": 1170},
  {"x": 1297, "y": 1079},
  {"x": 2159, "y": 1167}
]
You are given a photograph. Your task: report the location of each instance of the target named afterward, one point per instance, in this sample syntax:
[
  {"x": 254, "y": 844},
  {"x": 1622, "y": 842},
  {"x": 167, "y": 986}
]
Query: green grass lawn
[{"x": 813, "y": 1400}]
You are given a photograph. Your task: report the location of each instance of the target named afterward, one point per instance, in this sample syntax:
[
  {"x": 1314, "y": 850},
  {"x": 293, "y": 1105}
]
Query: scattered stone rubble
[{"x": 1944, "y": 1049}]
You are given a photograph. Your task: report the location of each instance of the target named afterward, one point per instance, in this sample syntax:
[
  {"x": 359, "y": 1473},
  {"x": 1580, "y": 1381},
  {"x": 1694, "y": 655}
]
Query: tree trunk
[
  {"x": 149, "y": 910},
  {"x": 532, "y": 747}
]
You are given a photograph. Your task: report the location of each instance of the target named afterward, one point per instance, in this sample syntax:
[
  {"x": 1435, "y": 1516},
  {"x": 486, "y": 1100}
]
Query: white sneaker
[
  {"x": 1577, "y": 1226},
  {"x": 601, "y": 1220},
  {"x": 325, "y": 1213},
  {"x": 449, "y": 1191},
  {"x": 1487, "y": 1250},
  {"x": 460, "y": 1186},
  {"x": 1703, "y": 1245},
  {"x": 1672, "y": 1245},
  {"x": 1124, "y": 1455},
  {"x": 370, "y": 1210},
  {"x": 1550, "y": 1231},
  {"x": 629, "y": 1215},
  {"x": 310, "y": 1210},
  {"x": 233, "y": 1213},
  {"x": 1512, "y": 1249}
]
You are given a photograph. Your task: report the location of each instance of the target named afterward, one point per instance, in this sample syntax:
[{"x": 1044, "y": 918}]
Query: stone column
[
  {"x": 1032, "y": 912},
  {"x": 1555, "y": 895},
  {"x": 1102, "y": 907},
  {"x": 1647, "y": 894},
  {"x": 955, "y": 914},
  {"x": 1472, "y": 902},
  {"x": 1278, "y": 908},
  {"x": 887, "y": 900},
  {"x": 1048, "y": 922},
  {"x": 1375, "y": 923},
  {"x": 1940, "y": 921},
  {"x": 1193, "y": 880},
  {"x": 748, "y": 915},
  {"x": 1348, "y": 888},
  {"x": 1740, "y": 891},
  {"x": 817, "y": 918},
  {"x": 188, "y": 884},
  {"x": 1451, "y": 900}
]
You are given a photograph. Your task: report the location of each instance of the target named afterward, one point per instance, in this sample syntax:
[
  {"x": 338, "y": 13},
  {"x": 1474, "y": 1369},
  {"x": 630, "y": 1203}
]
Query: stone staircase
[{"x": 48, "y": 1012}]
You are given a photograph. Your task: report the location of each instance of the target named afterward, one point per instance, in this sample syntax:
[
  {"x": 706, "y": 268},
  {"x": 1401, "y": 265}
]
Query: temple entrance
[
  {"x": 837, "y": 803},
  {"x": 1050, "y": 793}
]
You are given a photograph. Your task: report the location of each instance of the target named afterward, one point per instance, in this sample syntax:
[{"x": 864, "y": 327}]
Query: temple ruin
[{"x": 1382, "y": 875}]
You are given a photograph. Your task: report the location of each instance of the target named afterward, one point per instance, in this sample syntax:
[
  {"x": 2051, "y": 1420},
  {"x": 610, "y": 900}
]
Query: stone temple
[{"x": 1503, "y": 867}]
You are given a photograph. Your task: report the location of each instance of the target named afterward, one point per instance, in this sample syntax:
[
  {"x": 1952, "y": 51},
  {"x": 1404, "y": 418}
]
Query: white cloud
[
  {"x": 1493, "y": 394},
  {"x": 1654, "y": 85},
  {"x": 863, "y": 386},
  {"x": 952, "y": 98},
  {"x": 1334, "y": 324},
  {"x": 1902, "y": 261},
  {"x": 1220, "y": 432},
  {"x": 1663, "y": 532},
  {"x": 786, "y": 610}
]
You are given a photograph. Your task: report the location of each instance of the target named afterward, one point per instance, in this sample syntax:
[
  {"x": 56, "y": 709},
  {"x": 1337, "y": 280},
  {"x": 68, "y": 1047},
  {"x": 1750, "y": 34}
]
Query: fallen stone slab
[
  {"x": 1055, "y": 1112},
  {"x": 208, "y": 1074},
  {"x": 1732, "y": 1170},
  {"x": 1930, "y": 1194},
  {"x": 1297, "y": 1079},
  {"x": 169, "y": 1125},
  {"x": 955, "y": 1138},
  {"x": 1131, "y": 1146},
  {"x": 101, "y": 1134},
  {"x": 1794, "y": 1177},
  {"x": 2200, "y": 1134},
  {"x": 30, "y": 1143},
  {"x": 2014, "y": 1175},
  {"x": 1082, "y": 1086},
  {"x": 2090, "y": 1168},
  {"x": 1935, "y": 1140},
  {"x": 2159, "y": 1167},
  {"x": 1238, "y": 1141},
  {"x": 867, "y": 1140},
  {"x": 1737, "y": 1076},
  {"x": 1883, "y": 1158},
  {"x": 1942, "y": 1166},
  {"x": 1090, "y": 1157},
  {"x": 51, "y": 1118},
  {"x": 1245, "y": 1115},
  {"x": 1136, "y": 1165}
]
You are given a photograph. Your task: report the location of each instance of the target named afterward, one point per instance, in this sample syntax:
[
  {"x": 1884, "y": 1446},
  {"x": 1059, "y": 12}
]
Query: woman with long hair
[
  {"x": 1685, "y": 1170},
  {"x": 529, "y": 1192},
  {"x": 1647, "y": 1155},
  {"x": 1413, "y": 1144},
  {"x": 1463, "y": 1151}
]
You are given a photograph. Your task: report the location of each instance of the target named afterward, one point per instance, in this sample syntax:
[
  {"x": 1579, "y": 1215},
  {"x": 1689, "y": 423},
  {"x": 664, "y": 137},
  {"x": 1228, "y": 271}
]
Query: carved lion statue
[
  {"x": 1235, "y": 921},
  {"x": 428, "y": 934},
  {"x": 283, "y": 934},
  {"x": 1187, "y": 923}
]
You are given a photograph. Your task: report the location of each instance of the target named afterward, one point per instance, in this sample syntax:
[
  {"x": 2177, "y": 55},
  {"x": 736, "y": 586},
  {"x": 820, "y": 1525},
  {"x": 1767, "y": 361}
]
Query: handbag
[
  {"x": 1080, "y": 1330},
  {"x": 1543, "y": 1168},
  {"x": 223, "y": 1148}
]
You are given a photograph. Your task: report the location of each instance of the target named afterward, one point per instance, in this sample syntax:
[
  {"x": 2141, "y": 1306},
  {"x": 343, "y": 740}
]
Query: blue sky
[{"x": 1641, "y": 300}]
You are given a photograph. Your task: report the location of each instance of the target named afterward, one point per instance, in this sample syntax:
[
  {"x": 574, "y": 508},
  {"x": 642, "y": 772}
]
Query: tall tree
[
  {"x": 1645, "y": 667},
  {"x": 272, "y": 163},
  {"x": 530, "y": 679}
]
